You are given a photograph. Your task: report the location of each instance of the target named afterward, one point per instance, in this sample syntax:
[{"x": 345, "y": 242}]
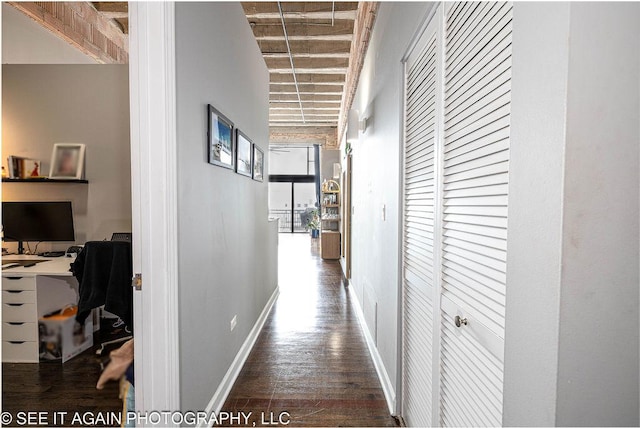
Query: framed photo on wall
[
  {"x": 67, "y": 161},
  {"x": 244, "y": 149},
  {"x": 258, "y": 163},
  {"x": 220, "y": 139}
]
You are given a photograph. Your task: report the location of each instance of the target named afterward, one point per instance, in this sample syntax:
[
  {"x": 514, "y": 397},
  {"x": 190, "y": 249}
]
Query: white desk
[{"x": 29, "y": 293}]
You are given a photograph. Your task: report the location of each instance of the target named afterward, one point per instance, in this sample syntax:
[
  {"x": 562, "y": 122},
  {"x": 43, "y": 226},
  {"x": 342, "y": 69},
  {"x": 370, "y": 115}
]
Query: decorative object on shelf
[
  {"x": 330, "y": 186},
  {"x": 67, "y": 161},
  {"x": 220, "y": 139},
  {"x": 244, "y": 149},
  {"x": 258, "y": 163},
  {"x": 313, "y": 223},
  {"x": 20, "y": 167}
]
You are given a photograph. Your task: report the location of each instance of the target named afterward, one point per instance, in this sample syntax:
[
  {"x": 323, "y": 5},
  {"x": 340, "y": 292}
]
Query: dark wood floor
[
  {"x": 54, "y": 387},
  {"x": 311, "y": 358}
]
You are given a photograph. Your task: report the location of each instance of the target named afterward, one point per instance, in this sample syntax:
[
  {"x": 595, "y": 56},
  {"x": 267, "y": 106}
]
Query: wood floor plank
[{"x": 311, "y": 358}]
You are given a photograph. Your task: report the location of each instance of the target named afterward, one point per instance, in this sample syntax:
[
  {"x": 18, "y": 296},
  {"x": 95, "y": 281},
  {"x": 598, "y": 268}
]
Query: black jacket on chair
[{"x": 104, "y": 270}]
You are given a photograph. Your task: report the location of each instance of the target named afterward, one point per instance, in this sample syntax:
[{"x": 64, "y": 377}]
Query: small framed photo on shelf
[
  {"x": 220, "y": 139},
  {"x": 244, "y": 149},
  {"x": 258, "y": 163},
  {"x": 67, "y": 161}
]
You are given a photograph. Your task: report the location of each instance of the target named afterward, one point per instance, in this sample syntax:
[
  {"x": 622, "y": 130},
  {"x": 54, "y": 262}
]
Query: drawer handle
[
  {"x": 13, "y": 277},
  {"x": 15, "y": 304},
  {"x": 14, "y": 291},
  {"x": 16, "y": 342},
  {"x": 15, "y": 323}
]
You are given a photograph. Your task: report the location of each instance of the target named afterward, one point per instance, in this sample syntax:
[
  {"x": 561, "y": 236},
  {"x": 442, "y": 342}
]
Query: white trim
[
  {"x": 152, "y": 80},
  {"x": 385, "y": 381},
  {"x": 221, "y": 394}
]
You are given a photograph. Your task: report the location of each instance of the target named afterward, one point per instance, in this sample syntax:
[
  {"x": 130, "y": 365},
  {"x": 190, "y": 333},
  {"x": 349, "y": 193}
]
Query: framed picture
[
  {"x": 258, "y": 163},
  {"x": 244, "y": 149},
  {"x": 67, "y": 161},
  {"x": 220, "y": 139}
]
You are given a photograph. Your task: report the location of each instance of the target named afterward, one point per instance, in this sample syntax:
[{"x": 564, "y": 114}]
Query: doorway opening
[{"x": 294, "y": 187}]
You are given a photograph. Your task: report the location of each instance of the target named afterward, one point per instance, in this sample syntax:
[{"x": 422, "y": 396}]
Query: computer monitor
[{"x": 37, "y": 221}]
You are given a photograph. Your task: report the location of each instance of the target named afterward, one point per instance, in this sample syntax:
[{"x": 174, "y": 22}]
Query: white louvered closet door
[
  {"x": 475, "y": 191},
  {"x": 422, "y": 99}
]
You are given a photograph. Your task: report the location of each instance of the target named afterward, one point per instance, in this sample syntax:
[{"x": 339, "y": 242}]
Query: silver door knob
[{"x": 460, "y": 321}]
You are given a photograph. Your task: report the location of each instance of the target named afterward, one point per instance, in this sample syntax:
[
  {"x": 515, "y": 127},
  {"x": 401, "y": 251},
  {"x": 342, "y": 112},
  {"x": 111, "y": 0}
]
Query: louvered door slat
[
  {"x": 477, "y": 97},
  {"x": 418, "y": 230}
]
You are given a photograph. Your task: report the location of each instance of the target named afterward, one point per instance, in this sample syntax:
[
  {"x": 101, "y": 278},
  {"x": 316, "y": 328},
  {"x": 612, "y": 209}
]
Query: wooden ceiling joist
[
  {"x": 318, "y": 79},
  {"x": 275, "y": 97},
  {"x": 285, "y": 55},
  {"x": 306, "y": 104},
  {"x": 252, "y": 8},
  {"x": 309, "y": 88},
  {"x": 82, "y": 26},
  {"x": 305, "y": 63},
  {"x": 296, "y": 31},
  {"x": 335, "y": 70},
  {"x": 311, "y": 16},
  {"x": 309, "y": 134},
  {"x": 304, "y": 46}
]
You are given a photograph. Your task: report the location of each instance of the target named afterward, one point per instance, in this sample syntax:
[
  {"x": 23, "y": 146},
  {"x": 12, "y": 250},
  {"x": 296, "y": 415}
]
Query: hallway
[{"x": 311, "y": 358}]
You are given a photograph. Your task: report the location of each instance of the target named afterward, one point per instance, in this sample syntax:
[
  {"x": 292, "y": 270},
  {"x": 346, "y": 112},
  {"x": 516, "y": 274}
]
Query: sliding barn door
[
  {"x": 419, "y": 188},
  {"x": 477, "y": 96}
]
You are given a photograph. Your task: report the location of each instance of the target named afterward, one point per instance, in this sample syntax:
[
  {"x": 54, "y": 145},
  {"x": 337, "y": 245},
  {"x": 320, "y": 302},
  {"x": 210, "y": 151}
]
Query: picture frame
[
  {"x": 258, "y": 163},
  {"x": 244, "y": 154},
  {"x": 220, "y": 139},
  {"x": 67, "y": 161}
]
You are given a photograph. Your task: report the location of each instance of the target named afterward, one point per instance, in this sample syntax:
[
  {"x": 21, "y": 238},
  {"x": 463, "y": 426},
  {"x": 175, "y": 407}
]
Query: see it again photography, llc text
[{"x": 152, "y": 418}]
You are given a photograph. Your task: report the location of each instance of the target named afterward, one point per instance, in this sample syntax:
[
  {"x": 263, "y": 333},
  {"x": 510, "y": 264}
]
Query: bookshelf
[{"x": 330, "y": 220}]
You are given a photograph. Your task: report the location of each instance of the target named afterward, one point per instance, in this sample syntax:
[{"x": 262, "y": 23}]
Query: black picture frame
[
  {"x": 244, "y": 154},
  {"x": 258, "y": 164},
  {"x": 220, "y": 139}
]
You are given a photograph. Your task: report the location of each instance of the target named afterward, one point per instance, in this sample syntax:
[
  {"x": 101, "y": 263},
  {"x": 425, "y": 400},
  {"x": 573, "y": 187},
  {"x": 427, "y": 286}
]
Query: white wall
[
  {"x": 24, "y": 41},
  {"x": 88, "y": 104},
  {"x": 571, "y": 351},
  {"x": 225, "y": 259},
  {"x": 375, "y": 177},
  {"x": 597, "y": 362}
]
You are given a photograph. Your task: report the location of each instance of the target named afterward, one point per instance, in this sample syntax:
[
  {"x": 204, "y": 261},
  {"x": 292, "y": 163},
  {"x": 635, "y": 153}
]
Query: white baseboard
[
  {"x": 387, "y": 386},
  {"x": 221, "y": 394}
]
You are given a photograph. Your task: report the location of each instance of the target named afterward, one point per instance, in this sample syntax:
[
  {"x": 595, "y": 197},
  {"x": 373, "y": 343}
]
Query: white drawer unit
[
  {"x": 20, "y": 331},
  {"x": 18, "y": 296},
  {"x": 27, "y": 295},
  {"x": 19, "y": 312},
  {"x": 19, "y": 283},
  {"x": 20, "y": 352}
]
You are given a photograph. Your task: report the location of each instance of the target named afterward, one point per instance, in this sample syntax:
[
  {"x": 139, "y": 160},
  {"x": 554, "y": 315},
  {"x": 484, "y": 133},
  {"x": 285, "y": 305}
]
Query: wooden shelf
[
  {"x": 331, "y": 205},
  {"x": 330, "y": 191},
  {"x": 43, "y": 180}
]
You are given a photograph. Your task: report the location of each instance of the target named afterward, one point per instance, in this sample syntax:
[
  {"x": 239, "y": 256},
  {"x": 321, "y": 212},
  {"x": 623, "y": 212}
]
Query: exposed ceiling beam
[
  {"x": 324, "y": 38},
  {"x": 336, "y": 70},
  {"x": 82, "y": 26},
  {"x": 287, "y": 78},
  {"x": 305, "y": 104},
  {"x": 334, "y": 94},
  {"x": 322, "y": 15},
  {"x": 308, "y": 63},
  {"x": 302, "y": 31},
  {"x": 275, "y": 97},
  {"x": 303, "y": 134},
  {"x": 365, "y": 20},
  {"x": 304, "y": 46},
  {"x": 306, "y": 55},
  {"x": 305, "y": 87},
  {"x": 299, "y": 6}
]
